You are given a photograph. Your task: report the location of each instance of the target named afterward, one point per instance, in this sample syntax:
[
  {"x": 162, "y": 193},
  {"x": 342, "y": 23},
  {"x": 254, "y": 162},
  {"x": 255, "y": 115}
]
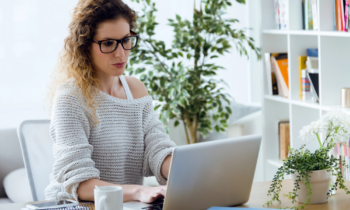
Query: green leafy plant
[
  {"x": 336, "y": 124},
  {"x": 180, "y": 78}
]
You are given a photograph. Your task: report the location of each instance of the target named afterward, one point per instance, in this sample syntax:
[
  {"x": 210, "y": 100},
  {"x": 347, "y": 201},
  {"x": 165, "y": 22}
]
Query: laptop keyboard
[{"x": 154, "y": 207}]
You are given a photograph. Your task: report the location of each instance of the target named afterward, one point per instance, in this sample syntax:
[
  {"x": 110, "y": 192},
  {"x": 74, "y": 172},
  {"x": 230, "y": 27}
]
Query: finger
[{"x": 151, "y": 198}]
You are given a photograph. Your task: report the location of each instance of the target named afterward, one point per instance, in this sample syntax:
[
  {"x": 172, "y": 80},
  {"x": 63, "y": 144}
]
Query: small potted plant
[{"x": 312, "y": 171}]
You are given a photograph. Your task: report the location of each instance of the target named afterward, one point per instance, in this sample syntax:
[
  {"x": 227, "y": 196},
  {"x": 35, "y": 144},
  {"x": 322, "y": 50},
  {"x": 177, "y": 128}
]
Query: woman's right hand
[{"x": 150, "y": 194}]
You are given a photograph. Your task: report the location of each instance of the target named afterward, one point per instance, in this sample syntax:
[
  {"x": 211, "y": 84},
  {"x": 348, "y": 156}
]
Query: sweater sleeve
[
  {"x": 70, "y": 130},
  {"x": 157, "y": 144}
]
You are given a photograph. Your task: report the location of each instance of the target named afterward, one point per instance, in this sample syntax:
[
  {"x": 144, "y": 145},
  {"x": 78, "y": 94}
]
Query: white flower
[
  {"x": 335, "y": 119},
  {"x": 308, "y": 132},
  {"x": 338, "y": 119}
]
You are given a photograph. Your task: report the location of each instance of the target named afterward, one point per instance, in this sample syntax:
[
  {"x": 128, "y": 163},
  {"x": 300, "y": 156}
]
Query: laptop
[{"x": 202, "y": 175}]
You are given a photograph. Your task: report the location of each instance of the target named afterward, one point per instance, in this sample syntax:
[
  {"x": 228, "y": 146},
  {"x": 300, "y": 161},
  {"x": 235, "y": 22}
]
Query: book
[
  {"x": 303, "y": 13},
  {"x": 343, "y": 15},
  {"x": 308, "y": 15},
  {"x": 284, "y": 138},
  {"x": 284, "y": 14},
  {"x": 312, "y": 75},
  {"x": 271, "y": 76},
  {"x": 277, "y": 14},
  {"x": 306, "y": 90},
  {"x": 346, "y": 15},
  {"x": 314, "y": 14},
  {"x": 340, "y": 15},
  {"x": 268, "y": 73},
  {"x": 312, "y": 64},
  {"x": 342, "y": 151},
  {"x": 302, "y": 66},
  {"x": 337, "y": 19},
  {"x": 312, "y": 52},
  {"x": 280, "y": 64},
  {"x": 334, "y": 16}
]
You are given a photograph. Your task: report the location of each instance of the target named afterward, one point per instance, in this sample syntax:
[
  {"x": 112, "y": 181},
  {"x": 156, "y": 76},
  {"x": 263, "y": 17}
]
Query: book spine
[
  {"x": 346, "y": 15},
  {"x": 282, "y": 6},
  {"x": 337, "y": 14},
  {"x": 284, "y": 139},
  {"x": 303, "y": 12},
  {"x": 277, "y": 15},
  {"x": 314, "y": 15},
  {"x": 334, "y": 17},
  {"x": 286, "y": 15},
  {"x": 282, "y": 84},
  {"x": 349, "y": 19},
  {"x": 268, "y": 73},
  {"x": 306, "y": 14},
  {"x": 309, "y": 11},
  {"x": 342, "y": 15},
  {"x": 302, "y": 66},
  {"x": 307, "y": 96}
]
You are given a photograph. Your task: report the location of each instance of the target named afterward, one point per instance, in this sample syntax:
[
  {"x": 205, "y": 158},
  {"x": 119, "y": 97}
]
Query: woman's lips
[{"x": 119, "y": 65}]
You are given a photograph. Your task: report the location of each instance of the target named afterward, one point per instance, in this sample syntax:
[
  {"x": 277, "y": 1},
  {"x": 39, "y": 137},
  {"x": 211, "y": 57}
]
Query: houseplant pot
[{"x": 319, "y": 181}]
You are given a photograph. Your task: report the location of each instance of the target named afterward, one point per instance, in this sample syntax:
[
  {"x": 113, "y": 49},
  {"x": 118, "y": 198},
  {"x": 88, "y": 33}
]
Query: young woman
[{"x": 103, "y": 125}]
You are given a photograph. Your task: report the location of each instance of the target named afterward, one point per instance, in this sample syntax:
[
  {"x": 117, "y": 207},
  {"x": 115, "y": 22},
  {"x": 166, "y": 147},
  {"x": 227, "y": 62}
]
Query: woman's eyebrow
[{"x": 113, "y": 38}]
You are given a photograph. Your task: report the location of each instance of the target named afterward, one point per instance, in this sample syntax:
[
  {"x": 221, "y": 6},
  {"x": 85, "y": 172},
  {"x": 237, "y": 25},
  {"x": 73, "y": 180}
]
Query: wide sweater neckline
[{"x": 143, "y": 99}]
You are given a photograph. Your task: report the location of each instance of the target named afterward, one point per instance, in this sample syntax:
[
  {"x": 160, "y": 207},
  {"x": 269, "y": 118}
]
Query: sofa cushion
[{"x": 17, "y": 187}]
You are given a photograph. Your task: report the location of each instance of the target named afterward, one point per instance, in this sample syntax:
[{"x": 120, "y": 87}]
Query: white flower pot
[{"x": 319, "y": 181}]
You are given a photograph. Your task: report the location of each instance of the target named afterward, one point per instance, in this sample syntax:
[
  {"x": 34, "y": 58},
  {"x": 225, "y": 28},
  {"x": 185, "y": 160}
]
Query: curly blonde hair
[{"x": 74, "y": 60}]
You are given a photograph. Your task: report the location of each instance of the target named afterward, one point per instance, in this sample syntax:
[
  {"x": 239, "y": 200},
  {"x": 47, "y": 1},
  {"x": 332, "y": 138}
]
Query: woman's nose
[{"x": 119, "y": 52}]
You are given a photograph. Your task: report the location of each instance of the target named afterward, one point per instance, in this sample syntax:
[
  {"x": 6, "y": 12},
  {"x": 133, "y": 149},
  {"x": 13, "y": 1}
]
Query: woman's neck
[{"x": 109, "y": 84}]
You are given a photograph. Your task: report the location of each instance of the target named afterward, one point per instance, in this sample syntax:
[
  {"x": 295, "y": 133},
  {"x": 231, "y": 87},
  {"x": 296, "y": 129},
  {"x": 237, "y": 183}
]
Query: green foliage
[
  {"x": 303, "y": 162},
  {"x": 180, "y": 77}
]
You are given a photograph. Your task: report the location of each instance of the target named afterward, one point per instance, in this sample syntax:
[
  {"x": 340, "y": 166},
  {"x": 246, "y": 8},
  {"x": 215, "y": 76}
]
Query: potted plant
[
  {"x": 180, "y": 78},
  {"x": 313, "y": 171}
]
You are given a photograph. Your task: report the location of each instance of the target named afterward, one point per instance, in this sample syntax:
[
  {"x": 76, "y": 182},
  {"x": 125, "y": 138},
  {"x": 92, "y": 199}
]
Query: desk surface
[{"x": 258, "y": 197}]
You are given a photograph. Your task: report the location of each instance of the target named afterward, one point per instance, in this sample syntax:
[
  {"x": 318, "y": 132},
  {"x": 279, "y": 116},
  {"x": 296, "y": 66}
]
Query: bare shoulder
[{"x": 137, "y": 88}]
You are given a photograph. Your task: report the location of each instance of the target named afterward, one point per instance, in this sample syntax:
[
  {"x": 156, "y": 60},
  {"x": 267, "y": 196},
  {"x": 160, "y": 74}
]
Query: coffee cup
[{"x": 108, "y": 198}]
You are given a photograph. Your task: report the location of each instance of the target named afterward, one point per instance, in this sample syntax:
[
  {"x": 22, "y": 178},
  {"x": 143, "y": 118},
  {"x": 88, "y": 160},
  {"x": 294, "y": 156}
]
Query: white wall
[{"x": 32, "y": 33}]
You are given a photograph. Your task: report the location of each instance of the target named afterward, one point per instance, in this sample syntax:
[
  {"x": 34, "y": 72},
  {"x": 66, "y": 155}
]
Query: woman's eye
[
  {"x": 108, "y": 43},
  {"x": 126, "y": 40}
]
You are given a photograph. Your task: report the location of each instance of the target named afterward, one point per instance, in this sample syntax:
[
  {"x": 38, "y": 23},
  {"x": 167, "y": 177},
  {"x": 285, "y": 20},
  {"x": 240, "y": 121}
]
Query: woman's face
[{"x": 112, "y": 64}]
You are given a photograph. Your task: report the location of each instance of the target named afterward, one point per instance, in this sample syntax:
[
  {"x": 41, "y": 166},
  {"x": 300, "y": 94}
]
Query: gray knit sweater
[{"x": 128, "y": 143}]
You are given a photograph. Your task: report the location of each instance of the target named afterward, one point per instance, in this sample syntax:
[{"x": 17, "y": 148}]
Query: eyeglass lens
[{"x": 109, "y": 45}]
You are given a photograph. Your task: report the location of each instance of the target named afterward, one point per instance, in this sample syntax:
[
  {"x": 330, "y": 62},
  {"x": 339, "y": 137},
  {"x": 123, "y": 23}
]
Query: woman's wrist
[{"x": 137, "y": 193}]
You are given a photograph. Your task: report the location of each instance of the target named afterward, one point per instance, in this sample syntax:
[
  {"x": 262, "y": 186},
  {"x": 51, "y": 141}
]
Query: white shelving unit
[{"x": 334, "y": 74}]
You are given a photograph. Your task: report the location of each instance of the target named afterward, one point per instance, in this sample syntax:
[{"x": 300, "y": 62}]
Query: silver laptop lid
[{"x": 216, "y": 173}]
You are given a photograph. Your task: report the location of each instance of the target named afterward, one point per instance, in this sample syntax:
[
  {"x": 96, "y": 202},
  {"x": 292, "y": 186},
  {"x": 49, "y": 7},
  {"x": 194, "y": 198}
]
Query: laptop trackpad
[{"x": 139, "y": 205}]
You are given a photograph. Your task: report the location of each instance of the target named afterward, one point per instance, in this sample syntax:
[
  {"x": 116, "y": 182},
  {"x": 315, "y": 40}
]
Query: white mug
[{"x": 108, "y": 198}]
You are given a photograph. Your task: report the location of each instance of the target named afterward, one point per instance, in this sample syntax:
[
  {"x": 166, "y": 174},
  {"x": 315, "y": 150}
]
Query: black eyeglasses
[{"x": 109, "y": 46}]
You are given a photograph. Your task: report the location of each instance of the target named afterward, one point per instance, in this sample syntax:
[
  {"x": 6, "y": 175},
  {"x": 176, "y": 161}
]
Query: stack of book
[
  {"x": 308, "y": 76},
  {"x": 310, "y": 17},
  {"x": 277, "y": 73},
  {"x": 342, "y": 151},
  {"x": 341, "y": 15}
]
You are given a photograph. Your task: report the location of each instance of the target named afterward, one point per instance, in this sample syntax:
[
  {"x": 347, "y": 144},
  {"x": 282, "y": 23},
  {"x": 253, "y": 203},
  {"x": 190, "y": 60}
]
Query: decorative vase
[{"x": 319, "y": 182}]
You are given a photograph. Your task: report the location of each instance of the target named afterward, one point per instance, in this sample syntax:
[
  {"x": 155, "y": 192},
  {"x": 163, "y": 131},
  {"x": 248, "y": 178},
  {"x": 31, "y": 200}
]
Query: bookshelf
[{"x": 334, "y": 74}]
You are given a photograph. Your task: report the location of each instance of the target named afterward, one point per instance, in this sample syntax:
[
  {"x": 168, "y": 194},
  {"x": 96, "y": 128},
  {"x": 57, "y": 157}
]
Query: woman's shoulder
[
  {"x": 137, "y": 88},
  {"x": 68, "y": 90}
]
